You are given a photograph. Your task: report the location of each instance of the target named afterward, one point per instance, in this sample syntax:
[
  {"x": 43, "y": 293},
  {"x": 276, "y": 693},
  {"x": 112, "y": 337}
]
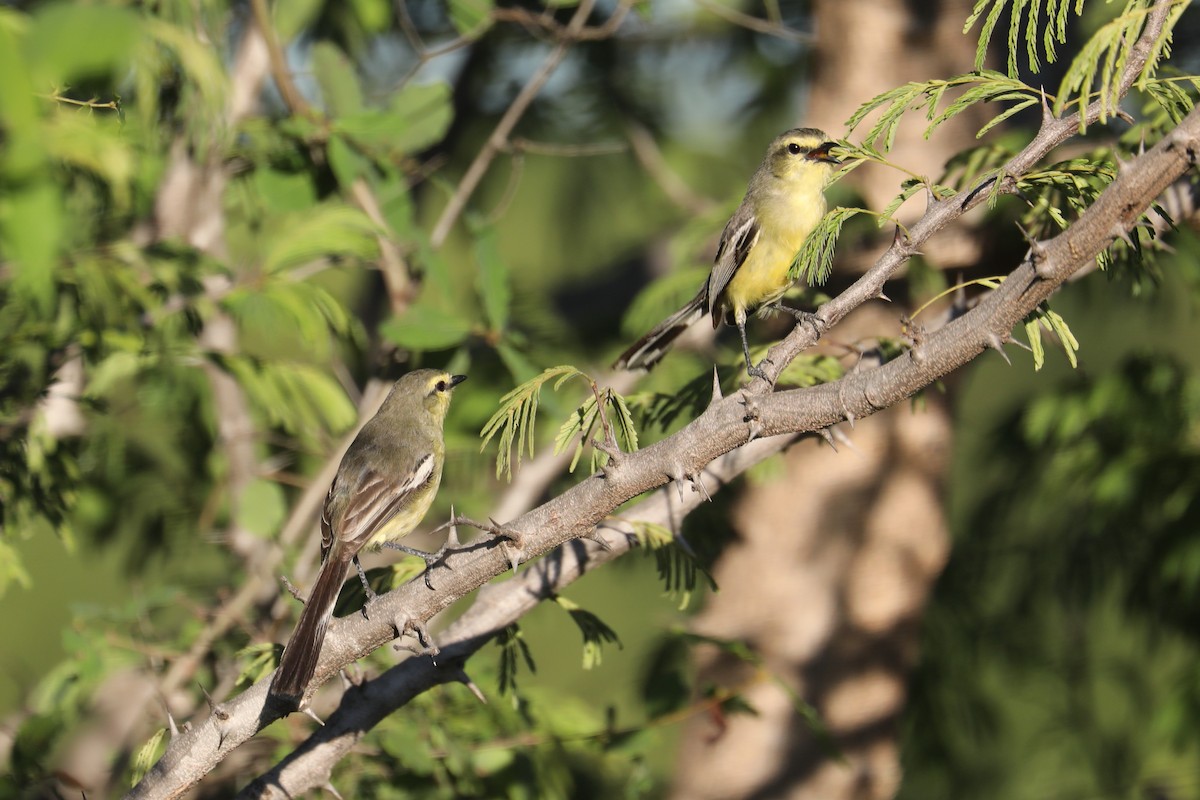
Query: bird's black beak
[
  {"x": 821, "y": 153},
  {"x": 455, "y": 380}
]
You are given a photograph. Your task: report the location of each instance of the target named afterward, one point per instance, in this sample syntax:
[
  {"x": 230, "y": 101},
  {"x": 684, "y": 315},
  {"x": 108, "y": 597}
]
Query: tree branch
[
  {"x": 498, "y": 141},
  {"x": 495, "y": 607},
  {"x": 726, "y": 425}
]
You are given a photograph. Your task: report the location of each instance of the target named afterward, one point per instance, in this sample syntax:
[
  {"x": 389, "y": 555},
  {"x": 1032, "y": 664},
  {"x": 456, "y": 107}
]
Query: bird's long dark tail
[
  {"x": 649, "y": 350},
  {"x": 300, "y": 656}
]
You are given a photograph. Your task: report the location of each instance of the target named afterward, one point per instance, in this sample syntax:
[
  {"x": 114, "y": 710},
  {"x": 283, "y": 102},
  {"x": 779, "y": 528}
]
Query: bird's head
[
  {"x": 427, "y": 389},
  {"x": 802, "y": 154}
]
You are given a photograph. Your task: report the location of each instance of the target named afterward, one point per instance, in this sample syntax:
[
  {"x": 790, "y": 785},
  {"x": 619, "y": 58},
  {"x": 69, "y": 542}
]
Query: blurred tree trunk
[{"x": 835, "y": 559}]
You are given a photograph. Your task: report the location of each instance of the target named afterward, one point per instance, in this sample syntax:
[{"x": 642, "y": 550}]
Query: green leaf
[
  {"x": 512, "y": 644},
  {"x": 299, "y": 398},
  {"x": 262, "y": 507},
  {"x": 492, "y": 280},
  {"x": 200, "y": 61},
  {"x": 417, "y": 117},
  {"x": 373, "y": 15},
  {"x": 335, "y": 75},
  {"x": 596, "y": 633},
  {"x": 814, "y": 262},
  {"x": 11, "y": 569},
  {"x": 95, "y": 145},
  {"x": 285, "y": 191},
  {"x": 514, "y": 421},
  {"x": 471, "y": 18},
  {"x": 661, "y": 298},
  {"x": 293, "y": 17},
  {"x": 31, "y": 227},
  {"x": 70, "y": 43},
  {"x": 115, "y": 369},
  {"x": 1101, "y": 60},
  {"x": 426, "y": 110},
  {"x": 325, "y": 231},
  {"x": 346, "y": 162},
  {"x": 581, "y": 422},
  {"x": 811, "y": 370},
  {"x": 1033, "y": 332},
  {"x": 146, "y": 755},
  {"x": 625, "y": 428},
  {"x": 423, "y": 327},
  {"x": 516, "y": 362},
  {"x": 677, "y": 566}
]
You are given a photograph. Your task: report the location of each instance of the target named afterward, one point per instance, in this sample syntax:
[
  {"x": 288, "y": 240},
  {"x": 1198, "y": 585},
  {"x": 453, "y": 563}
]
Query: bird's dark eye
[
  {"x": 441, "y": 386},
  {"x": 795, "y": 149}
]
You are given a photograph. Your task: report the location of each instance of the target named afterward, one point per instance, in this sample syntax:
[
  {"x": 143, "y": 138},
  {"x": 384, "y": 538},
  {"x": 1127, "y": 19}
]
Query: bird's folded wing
[
  {"x": 378, "y": 498},
  {"x": 740, "y": 234}
]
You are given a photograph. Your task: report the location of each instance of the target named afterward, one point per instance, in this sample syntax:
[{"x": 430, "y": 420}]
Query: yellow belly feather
[{"x": 784, "y": 223}]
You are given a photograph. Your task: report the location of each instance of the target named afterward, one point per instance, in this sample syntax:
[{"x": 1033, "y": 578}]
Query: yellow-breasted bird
[
  {"x": 382, "y": 489},
  {"x": 784, "y": 202}
]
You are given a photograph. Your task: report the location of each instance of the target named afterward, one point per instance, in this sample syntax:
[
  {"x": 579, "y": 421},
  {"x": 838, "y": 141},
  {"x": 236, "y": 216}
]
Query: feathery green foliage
[
  {"x": 984, "y": 86},
  {"x": 515, "y": 421},
  {"x": 1029, "y": 12},
  {"x": 1175, "y": 95},
  {"x": 513, "y": 650},
  {"x": 677, "y": 566},
  {"x": 595, "y": 632},
  {"x": 814, "y": 261},
  {"x": 583, "y": 422},
  {"x": 1044, "y": 318},
  {"x": 145, "y": 756}
]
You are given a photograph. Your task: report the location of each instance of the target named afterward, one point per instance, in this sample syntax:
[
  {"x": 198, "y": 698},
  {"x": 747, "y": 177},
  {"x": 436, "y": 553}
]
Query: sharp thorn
[
  {"x": 754, "y": 432},
  {"x": 329, "y": 788},
  {"x": 1047, "y": 112},
  {"x": 595, "y": 536},
  {"x": 462, "y": 677},
  {"x": 716, "y": 388},
  {"x": 1119, "y": 232},
  {"x": 840, "y": 436},
  {"x": 213, "y": 706},
  {"x": 994, "y": 342},
  {"x": 698, "y": 485},
  {"x": 171, "y": 726},
  {"x": 452, "y": 542},
  {"x": 828, "y": 437},
  {"x": 512, "y": 553},
  {"x": 308, "y": 712}
]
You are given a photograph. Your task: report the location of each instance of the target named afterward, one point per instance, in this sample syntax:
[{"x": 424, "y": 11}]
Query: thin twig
[
  {"x": 754, "y": 23},
  {"x": 499, "y": 138}
]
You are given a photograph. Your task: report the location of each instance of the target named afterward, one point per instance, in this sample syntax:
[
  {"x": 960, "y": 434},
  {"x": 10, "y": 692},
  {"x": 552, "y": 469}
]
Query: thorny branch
[{"x": 721, "y": 429}]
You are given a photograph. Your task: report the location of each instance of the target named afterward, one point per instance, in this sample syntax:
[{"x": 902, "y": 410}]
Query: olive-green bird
[
  {"x": 382, "y": 489},
  {"x": 784, "y": 202}
]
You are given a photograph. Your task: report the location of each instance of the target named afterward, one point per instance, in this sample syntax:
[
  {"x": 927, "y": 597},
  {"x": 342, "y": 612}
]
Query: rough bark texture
[{"x": 688, "y": 456}]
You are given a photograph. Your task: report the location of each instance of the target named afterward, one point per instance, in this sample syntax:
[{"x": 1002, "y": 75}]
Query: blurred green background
[{"x": 202, "y": 266}]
